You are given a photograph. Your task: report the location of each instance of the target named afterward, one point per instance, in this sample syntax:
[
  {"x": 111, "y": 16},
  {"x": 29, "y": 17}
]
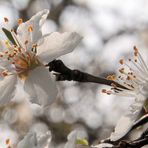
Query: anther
[
  {"x": 111, "y": 77},
  {"x": 103, "y": 90},
  {"x": 6, "y": 19},
  {"x": 7, "y": 141},
  {"x": 135, "y": 60},
  {"x": 20, "y": 21},
  {"x": 30, "y": 29},
  {"x": 26, "y": 42},
  {"x": 121, "y": 61},
  {"x": 121, "y": 70}
]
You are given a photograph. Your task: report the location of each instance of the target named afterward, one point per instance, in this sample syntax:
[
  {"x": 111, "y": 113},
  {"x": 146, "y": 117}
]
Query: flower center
[
  {"x": 20, "y": 58},
  {"x": 25, "y": 62}
]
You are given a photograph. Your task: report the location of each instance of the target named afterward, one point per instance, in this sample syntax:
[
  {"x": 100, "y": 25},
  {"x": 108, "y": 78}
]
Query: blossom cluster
[
  {"x": 27, "y": 88},
  {"x": 24, "y": 77}
]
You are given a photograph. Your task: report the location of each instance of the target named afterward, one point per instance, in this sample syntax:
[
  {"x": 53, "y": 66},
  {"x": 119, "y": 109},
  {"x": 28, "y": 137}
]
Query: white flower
[
  {"x": 31, "y": 140},
  {"x": 23, "y": 58},
  {"x": 74, "y": 140},
  {"x": 134, "y": 82}
]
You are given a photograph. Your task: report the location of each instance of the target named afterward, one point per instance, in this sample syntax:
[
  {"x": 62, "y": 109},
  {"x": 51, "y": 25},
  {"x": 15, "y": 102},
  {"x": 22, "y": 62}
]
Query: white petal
[
  {"x": 44, "y": 140},
  {"x": 7, "y": 87},
  {"x": 126, "y": 122},
  {"x": 29, "y": 141},
  {"x": 40, "y": 86},
  {"x": 71, "y": 143},
  {"x": 102, "y": 145},
  {"x": 36, "y": 22},
  {"x": 57, "y": 44}
]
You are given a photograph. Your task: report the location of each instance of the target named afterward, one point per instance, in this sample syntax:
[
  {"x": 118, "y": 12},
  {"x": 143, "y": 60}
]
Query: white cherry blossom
[
  {"x": 134, "y": 81},
  {"x": 24, "y": 55}
]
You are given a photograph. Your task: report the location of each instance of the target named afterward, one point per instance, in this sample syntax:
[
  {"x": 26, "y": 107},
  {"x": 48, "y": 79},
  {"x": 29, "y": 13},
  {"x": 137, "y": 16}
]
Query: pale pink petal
[
  {"x": 57, "y": 44},
  {"x": 36, "y": 22},
  {"x": 7, "y": 88},
  {"x": 40, "y": 86}
]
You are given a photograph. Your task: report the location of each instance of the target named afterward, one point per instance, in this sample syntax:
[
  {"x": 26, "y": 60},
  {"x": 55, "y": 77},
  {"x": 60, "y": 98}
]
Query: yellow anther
[
  {"x": 109, "y": 92},
  {"x": 128, "y": 78},
  {"x": 6, "y": 19},
  {"x": 121, "y": 70},
  {"x": 121, "y": 61},
  {"x": 103, "y": 90},
  {"x": 7, "y": 141},
  {"x": 20, "y": 21},
  {"x": 30, "y": 29},
  {"x": 135, "y": 60},
  {"x": 135, "y": 49},
  {"x": 114, "y": 85},
  {"x": 34, "y": 45},
  {"x": 111, "y": 77},
  {"x": 26, "y": 42}
]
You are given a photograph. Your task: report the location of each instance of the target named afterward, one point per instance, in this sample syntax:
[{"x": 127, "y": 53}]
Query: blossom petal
[
  {"x": 40, "y": 87},
  {"x": 29, "y": 141},
  {"x": 36, "y": 23},
  {"x": 57, "y": 44},
  {"x": 7, "y": 87},
  {"x": 126, "y": 122},
  {"x": 102, "y": 145}
]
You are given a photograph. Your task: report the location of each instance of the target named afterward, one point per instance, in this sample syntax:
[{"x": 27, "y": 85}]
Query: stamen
[
  {"x": 30, "y": 29},
  {"x": 7, "y": 141},
  {"x": 20, "y": 21},
  {"x": 121, "y": 61},
  {"x": 6, "y": 19},
  {"x": 121, "y": 70},
  {"x": 111, "y": 77},
  {"x": 103, "y": 90}
]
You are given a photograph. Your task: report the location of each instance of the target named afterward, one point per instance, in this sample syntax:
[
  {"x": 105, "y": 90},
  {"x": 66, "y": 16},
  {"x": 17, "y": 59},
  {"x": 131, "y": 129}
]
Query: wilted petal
[
  {"x": 36, "y": 23},
  {"x": 57, "y": 44},
  {"x": 40, "y": 86},
  {"x": 126, "y": 122},
  {"x": 7, "y": 87}
]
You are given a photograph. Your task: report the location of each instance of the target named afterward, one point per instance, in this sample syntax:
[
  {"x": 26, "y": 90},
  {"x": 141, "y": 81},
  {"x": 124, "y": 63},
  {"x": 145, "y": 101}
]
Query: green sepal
[{"x": 9, "y": 36}]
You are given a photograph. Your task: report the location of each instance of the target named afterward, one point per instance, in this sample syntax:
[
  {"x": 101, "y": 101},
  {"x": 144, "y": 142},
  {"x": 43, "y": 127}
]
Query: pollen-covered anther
[
  {"x": 26, "y": 42},
  {"x": 34, "y": 45},
  {"x": 6, "y": 19},
  {"x": 20, "y": 21},
  {"x": 7, "y": 141},
  {"x": 104, "y": 90},
  {"x": 108, "y": 92},
  {"x": 113, "y": 85},
  {"x": 111, "y": 77},
  {"x": 1, "y": 55},
  {"x": 135, "y": 49},
  {"x": 121, "y": 70},
  {"x": 135, "y": 60},
  {"x": 128, "y": 78},
  {"x": 30, "y": 29},
  {"x": 121, "y": 61},
  {"x": 4, "y": 73}
]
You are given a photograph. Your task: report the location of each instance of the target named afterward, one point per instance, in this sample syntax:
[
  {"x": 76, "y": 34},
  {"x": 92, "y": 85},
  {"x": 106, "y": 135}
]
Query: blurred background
[{"x": 110, "y": 29}]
